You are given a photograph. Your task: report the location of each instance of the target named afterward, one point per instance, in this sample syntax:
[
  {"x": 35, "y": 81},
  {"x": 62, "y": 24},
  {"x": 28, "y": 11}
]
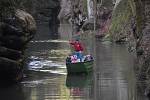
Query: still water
[{"x": 46, "y": 76}]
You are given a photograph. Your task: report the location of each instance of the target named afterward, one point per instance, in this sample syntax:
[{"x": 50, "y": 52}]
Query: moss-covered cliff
[
  {"x": 131, "y": 22},
  {"x": 143, "y": 44},
  {"x": 121, "y": 23},
  {"x": 17, "y": 28}
]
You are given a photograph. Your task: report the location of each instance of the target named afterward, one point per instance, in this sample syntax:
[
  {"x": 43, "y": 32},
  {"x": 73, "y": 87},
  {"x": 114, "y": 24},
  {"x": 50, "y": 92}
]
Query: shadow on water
[
  {"x": 78, "y": 81},
  {"x": 11, "y": 92},
  {"x": 80, "y": 86}
]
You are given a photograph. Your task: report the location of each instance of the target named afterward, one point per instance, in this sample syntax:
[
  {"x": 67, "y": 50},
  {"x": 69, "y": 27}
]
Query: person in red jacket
[
  {"x": 77, "y": 45},
  {"x": 78, "y": 48}
]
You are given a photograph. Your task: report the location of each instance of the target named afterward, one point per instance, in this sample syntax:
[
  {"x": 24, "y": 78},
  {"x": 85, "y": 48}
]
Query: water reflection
[
  {"x": 114, "y": 77},
  {"x": 11, "y": 92},
  {"x": 80, "y": 86},
  {"x": 79, "y": 81},
  {"x": 45, "y": 87}
]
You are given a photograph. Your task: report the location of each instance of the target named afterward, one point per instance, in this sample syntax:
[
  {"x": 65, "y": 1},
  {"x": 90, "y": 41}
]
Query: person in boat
[{"x": 78, "y": 48}]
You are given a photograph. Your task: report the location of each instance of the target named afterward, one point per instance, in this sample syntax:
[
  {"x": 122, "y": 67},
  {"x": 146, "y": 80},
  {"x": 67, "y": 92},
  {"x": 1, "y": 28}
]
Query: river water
[{"x": 46, "y": 77}]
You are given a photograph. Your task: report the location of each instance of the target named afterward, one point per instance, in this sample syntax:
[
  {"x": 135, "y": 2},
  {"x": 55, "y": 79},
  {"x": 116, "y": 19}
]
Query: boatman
[{"x": 78, "y": 48}]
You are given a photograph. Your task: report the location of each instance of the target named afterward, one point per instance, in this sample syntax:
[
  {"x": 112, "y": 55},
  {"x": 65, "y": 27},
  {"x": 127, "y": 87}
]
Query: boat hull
[{"x": 80, "y": 67}]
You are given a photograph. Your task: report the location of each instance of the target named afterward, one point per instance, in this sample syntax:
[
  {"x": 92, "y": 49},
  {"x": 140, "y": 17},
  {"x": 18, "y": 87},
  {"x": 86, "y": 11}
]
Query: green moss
[
  {"x": 139, "y": 17},
  {"x": 85, "y": 7},
  {"x": 133, "y": 7},
  {"x": 120, "y": 18}
]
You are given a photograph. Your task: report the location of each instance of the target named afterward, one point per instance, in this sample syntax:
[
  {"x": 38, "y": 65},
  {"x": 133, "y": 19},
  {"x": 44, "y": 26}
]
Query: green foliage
[
  {"x": 132, "y": 5},
  {"x": 139, "y": 18}
]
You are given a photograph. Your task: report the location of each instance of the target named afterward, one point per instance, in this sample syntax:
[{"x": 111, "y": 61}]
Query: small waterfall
[{"x": 90, "y": 8}]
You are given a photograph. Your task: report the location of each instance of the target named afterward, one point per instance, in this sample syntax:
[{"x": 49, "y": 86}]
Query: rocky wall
[
  {"x": 44, "y": 11},
  {"x": 131, "y": 24},
  {"x": 17, "y": 28},
  {"x": 143, "y": 44}
]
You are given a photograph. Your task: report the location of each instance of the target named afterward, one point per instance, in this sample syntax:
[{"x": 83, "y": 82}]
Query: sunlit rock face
[{"x": 17, "y": 28}]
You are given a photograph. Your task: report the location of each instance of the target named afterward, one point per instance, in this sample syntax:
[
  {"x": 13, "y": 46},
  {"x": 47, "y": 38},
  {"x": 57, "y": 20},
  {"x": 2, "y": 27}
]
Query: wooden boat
[{"x": 80, "y": 67}]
